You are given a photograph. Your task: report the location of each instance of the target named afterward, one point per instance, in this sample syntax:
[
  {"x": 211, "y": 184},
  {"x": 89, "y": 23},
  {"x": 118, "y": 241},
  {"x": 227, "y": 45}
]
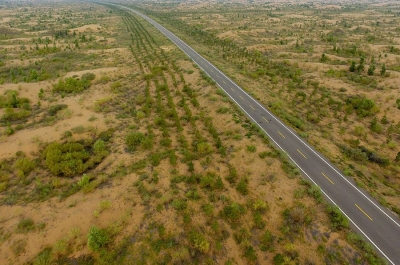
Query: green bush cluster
[
  {"x": 362, "y": 106},
  {"x": 338, "y": 220},
  {"x": 232, "y": 213},
  {"x": 135, "y": 139},
  {"x": 98, "y": 238},
  {"x": 11, "y": 115},
  {"x": 54, "y": 109},
  {"x": 11, "y": 100},
  {"x": 71, "y": 85},
  {"x": 71, "y": 158}
]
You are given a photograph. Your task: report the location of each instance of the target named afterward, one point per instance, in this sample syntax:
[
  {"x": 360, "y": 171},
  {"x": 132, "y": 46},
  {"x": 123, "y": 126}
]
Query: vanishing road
[{"x": 377, "y": 224}]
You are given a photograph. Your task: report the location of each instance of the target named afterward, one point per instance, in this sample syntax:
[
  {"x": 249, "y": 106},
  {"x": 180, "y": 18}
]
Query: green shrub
[
  {"x": 338, "y": 220},
  {"x": 199, "y": 242},
  {"x": 242, "y": 186},
  {"x": 71, "y": 85},
  {"x": 204, "y": 148},
  {"x": 250, "y": 254},
  {"x": 266, "y": 241},
  {"x": 316, "y": 193},
  {"x": 56, "y": 108},
  {"x": 242, "y": 235},
  {"x": 25, "y": 225},
  {"x": 363, "y": 107},
  {"x": 11, "y": 100},
  {"x": 251, "y": 148},
  {"x": 233, "y": 212},
  {"x": 88, "y": 76},
  {"x": 44, "y": 257},
  {"x": 179, "y": 204},
  {"x": 71, "y": 158},
  {"x": 98, "y": 238},
  {"x": 11, "y": 115},
  {"x": 24, "y": 166},
  {"x": 134, "y": 139}
]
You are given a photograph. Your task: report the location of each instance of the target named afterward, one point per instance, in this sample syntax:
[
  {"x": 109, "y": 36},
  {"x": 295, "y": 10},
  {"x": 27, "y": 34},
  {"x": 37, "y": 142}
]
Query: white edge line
[
  {"x": 294, "y": 134},
  {"x": 273, "y": 139}
]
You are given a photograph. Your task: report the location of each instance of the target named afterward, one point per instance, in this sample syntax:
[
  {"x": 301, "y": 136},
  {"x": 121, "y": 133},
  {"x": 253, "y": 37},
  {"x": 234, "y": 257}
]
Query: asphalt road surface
[{"x": 379, "y": 226}]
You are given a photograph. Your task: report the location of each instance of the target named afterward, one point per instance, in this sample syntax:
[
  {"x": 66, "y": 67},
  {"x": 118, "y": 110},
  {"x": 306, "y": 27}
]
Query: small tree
[
  {"x": 371, "y": 69},
  {"x": 353, "y": 66},
  {"x": 383, "y": 70},
  {"x": 360, "y": 67}
]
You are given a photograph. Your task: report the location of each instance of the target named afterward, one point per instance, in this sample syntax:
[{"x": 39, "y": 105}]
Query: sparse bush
[
  {"x": 251, "y": 148},
  {"x": 266, "y": 241},
  {"x": 134, "y": 139},
  {"x": 71, "y": 85},
  {"x": 233, "y": 213},
  {"x": 338, "y": 220},
  {"x": 98, "y": 239},
  {"x": 199, "y": 242},
  {"x": 56, "y": 108},
  {"x": 24, "y": 166},
  {"x": 71, "y": 158},
  {"x": 25, "y": 225},
  {"x": 242, "y": 186},
  {"x": 88, "y": 76}
]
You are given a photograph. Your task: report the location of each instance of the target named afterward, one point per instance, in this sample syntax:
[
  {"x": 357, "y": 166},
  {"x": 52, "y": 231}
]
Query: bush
[
  {"x": 98, "y": 238},
  {"x": 56, "y": 108},
  {"x": 134, "y": 139},
  {"x": 11, "y": 115},
  {"x": 233, "y": 213},
  {"x": 88, "y": 76},
  {"x": 242, "y": 186},
  {"x": 338, "y": 219},
  {"x": 24, "y": 166},
  {"x": 199, "y": 242},
  {"x": 71, "y": 85},
  {"x": 25, "y": 225},
  {"x": 71, "y": 158},
  {"x": 364, "y": 107},
  {"x": 266, "y": 241},
  {"x": 251, "y": 148}
]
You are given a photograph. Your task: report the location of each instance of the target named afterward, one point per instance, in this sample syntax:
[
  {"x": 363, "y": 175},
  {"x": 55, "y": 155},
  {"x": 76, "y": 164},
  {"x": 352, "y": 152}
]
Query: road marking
[
  {"x": 301, "y": 153},
  {"x": 241, "y": 97},
  {"x": 363, "y": 212},
  {"x": 224, "y": 82},
  {"x": 283, "y": 136},
  {"x": 173, "y": 37},
  {"x": 365, "y": 235},
  {"x": 328, "y": 178},
  {"x": 252, "y": 107},
  {"x": 265, "y": 119},
  {"x": 232, "y": 89}
]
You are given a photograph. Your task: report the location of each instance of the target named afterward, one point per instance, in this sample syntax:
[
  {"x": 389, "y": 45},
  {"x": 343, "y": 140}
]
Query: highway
[{"x": 378, "y": 225}]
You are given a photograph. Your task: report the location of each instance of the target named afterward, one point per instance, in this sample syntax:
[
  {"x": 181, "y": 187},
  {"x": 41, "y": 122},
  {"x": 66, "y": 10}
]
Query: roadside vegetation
[
  {"x": 329, "y": 72},
  {"x": 133, "y": 155}
]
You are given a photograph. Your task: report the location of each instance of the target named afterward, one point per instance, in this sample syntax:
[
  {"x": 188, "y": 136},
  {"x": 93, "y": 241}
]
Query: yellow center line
[
  {"x": 265, "y": 119},
  {"x": 224, "y": 82},
  {"x": 283, "y": 136},
  {"x": 328, "y": 178},
  {"x": 301, "y": 153},
  {"x": 233, "y": 89},
  {"x": 252, "y": 107},
  {"x": 363, "y": 212},
  {"x": 241, "y": 97}
]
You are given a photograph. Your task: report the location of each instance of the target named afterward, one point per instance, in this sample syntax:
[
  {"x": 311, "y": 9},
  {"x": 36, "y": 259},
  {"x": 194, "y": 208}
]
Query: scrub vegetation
[{"x": 121, "y": 151}]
